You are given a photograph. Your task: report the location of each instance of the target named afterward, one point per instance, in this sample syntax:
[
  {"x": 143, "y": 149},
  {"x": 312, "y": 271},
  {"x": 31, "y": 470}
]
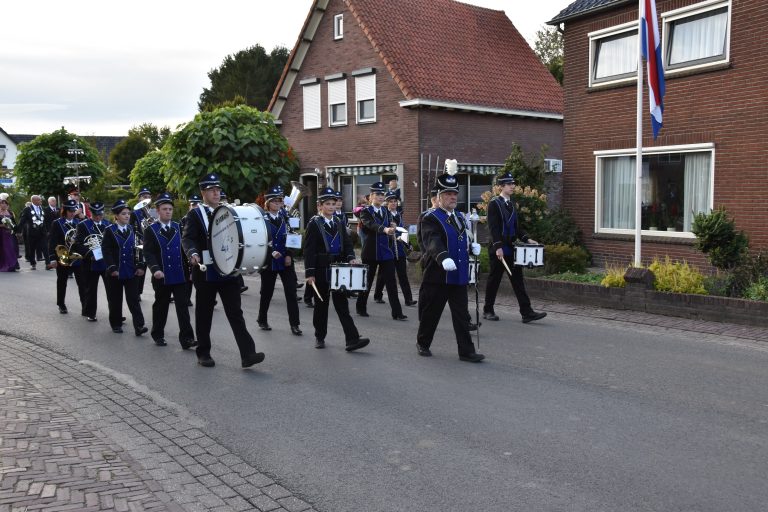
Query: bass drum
[{"x": 239, "y": 239}]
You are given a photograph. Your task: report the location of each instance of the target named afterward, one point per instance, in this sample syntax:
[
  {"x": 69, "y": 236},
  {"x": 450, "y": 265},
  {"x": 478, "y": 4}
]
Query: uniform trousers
[
  {"x": 36, "y": 244},
  {"x": 387, "y": 270},
  {"x": 115, "y": 288},
  {"x": 340, "y": 304},
  {"x": 401, "y": 267},
  {"x": 497, "y": 271},
  {"x": 62, "y": 276},
  {"x": 91, "y": 280},
  {"x": 229, "y": 291},
  {"x": 163, "y": 293},
  {"x": 268, "y": 279},
  {"x": 432, "y": 299}
]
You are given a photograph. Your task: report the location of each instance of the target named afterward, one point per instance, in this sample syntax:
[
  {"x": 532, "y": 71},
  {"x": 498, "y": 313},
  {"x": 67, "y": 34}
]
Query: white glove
[
  {"x": 475, "y": 249},
  {"x": 449, "y": 265}
]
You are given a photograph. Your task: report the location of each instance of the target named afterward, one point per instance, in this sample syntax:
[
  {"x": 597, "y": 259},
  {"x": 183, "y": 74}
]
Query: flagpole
[{"x": 639, "y": 141}]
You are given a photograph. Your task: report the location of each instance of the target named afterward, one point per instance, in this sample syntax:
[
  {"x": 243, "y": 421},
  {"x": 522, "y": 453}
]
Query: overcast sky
[{"x": 101, "y": 67}]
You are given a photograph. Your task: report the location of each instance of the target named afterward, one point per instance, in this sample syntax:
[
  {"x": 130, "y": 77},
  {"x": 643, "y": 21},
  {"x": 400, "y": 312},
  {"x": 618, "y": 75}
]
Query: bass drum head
[{"x": 225, "y": 238}]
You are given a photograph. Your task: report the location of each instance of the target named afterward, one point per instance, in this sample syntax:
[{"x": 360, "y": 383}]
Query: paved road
[{"x": 572, "y": 413}]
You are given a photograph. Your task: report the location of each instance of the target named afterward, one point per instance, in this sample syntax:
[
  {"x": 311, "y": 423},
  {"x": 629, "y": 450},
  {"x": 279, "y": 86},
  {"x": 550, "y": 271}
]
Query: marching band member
[
  {"x": 208, "y": 282},
  {"x": 167, "y": 266},
  {"x": 280, "y": 261},
  {"x": 138, "y": 221},
  {"x": 445, "y": 261},
  {"x": 401, "y": 264},
  {"x": 502, "y": 223},
  {"x": 378, "y": 251},
  {"x": 93, "y": 266},
  {"x": 325, "y": 243},
  {"x": 32, "y": 223},
  {"x": 58, "y": 236},
  {"x": 83, "y": 211},
  {"x": 194, "y": 200},
  {"x": 123, "y": 268}
]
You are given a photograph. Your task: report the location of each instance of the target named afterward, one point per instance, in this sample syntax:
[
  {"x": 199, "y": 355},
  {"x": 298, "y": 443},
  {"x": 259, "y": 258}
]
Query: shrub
[
  {"x": 556, "y": 227},
  {"x": 573, "y": 277},
  {"x": 614, "y": 277},
  {"x": 758, "y": 290},
  {"x": 751, "y": 269},
  {"x": 565, "y": 258},
  {"x": 677, "y": 277},
  {"x": 716, "y": 236},
  {"x": 718, "y": 284}
]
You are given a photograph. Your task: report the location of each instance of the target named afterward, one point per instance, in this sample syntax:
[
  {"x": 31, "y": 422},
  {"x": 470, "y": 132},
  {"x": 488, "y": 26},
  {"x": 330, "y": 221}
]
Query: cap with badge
[
  {"x": 275, "y": 192},
  {"x": 325, "y": 194},
  {"x": 164, "y": 198},
  {"x": 392, "y": 195},
  {"x": 378, "y": 188},
  {"x": 505, "y": 179},
  {"x": 97, "y": 208},
  {"x": 144, "y": 192},
  {"x": 195, "y": 199},
  {"x": 119, "y": 206},
  {"x": 70, "y": 204},
  {"x": 210, "y": 181}
]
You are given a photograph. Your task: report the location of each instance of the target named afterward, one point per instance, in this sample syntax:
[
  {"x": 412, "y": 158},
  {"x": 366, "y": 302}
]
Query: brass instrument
[
  {"x": 64, "y": 253},
  {"x": 298, "y": 192},
  {"x": 93, "y": 241},
  {"x": 148, "y": 219}
]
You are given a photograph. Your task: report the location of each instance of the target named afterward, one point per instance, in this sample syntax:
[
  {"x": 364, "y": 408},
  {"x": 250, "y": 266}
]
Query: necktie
[{"x": 166, "y": 230}]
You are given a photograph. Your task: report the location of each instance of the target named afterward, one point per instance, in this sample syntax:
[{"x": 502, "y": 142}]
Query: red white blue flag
[{"x": 651, "y": 47}]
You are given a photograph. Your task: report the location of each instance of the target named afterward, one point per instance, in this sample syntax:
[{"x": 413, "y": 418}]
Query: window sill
[
  {"x": 612, "y": 85},
  {"x": 372, "y": 121},
  {"x": 337, "y": 125},
  {"x": 658, "y": 239},
  {"x": 670, "y": 74}
]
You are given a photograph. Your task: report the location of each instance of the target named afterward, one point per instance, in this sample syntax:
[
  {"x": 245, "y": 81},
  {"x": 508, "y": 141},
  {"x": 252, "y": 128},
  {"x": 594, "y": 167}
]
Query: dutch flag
[{"x": 651, "y": 48}]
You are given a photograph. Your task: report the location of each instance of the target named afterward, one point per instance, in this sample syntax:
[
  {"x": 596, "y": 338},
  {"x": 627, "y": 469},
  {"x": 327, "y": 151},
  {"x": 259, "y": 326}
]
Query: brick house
[
  {"x": 711, "y": 150},
  {"x": 374, "y": 90}
]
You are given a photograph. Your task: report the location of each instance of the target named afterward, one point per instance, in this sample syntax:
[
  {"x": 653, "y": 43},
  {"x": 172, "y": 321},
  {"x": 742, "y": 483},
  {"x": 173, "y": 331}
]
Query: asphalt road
[{"x": 567, "y": 414}]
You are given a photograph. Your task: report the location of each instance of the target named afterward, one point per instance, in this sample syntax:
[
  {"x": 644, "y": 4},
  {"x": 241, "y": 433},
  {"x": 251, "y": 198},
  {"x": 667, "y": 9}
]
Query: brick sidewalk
[{"x": 74, "y": 438}]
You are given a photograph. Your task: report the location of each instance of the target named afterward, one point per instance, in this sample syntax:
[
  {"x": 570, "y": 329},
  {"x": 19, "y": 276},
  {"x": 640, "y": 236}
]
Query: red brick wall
[{"x": 726, "y": 107}]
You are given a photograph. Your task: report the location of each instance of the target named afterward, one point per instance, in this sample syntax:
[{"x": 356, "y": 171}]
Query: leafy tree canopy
[
  {"x": 528, "y": 172},
  {"x": 148, "y": 173},
  {"x": 251, "y": 73},
  {"x": 127, "y": 152},
  {"x": 549, "y": 49},
  {"x": 42, "y": 162},
  {"x": 240, "y": 144},
  {"x": 154, "y": 136}
]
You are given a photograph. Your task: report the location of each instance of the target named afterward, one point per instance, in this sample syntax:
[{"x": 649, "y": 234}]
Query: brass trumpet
[
  {"x": 64, "y": 253},
  {"x": 298, "y": 192}
]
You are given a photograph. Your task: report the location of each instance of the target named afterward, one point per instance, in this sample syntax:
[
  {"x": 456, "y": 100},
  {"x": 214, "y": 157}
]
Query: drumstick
[
  {"x": 506, "y": 266},
  {"x": 317, "y": 292}
]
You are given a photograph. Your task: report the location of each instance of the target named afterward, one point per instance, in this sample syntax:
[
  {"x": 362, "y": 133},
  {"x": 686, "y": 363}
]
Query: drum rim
[{"x": 240, "y": 241}]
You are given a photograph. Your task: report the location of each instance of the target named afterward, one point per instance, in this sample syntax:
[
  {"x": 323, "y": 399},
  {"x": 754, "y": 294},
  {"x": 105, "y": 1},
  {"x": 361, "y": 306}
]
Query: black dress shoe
[
  {"x": 264, "y": 326},
  {"x": 360, "y": 343},
  {"x": 140, "y": 331},
  {"x": 243, "y": 289},
  {"x": 91, "y": 318},
  {"x": 472, "y": 326},
  {"x": 160, "y": 343},
  {"x": 472, "y": 358},
  {"x": 423, "y": 351},
  {"x": 122, "y": 319},
  {"x": 299, "y": 286},
  {"x": 490, "y": 316},
  {"x": 411, "y": 302},
  {"x": 33, "y": 267},
  {"x": 533, "y": 316},
  {"x": 379, "y": 301},
  {"x": 362, "y": 313},
  {"x": 319, "y": 343},
  {"x": 63, "y": 310},
  {"x": 253, "y": 359},
  {"x": 118, "y": 330},
  {"x": 171, "y": 300},
  {"x": 295, "y": 330},
  {"x": 309, "y": 304},
  {"x": 400, "y": 317},
  {"x": 187, "y": 344},
  {"x": 189, "y": 304},
  {"x": 206, "y": 361}
]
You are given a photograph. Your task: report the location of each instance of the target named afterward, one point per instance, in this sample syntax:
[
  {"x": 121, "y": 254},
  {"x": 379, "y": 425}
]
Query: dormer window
[{"x": 338, "y": 26}]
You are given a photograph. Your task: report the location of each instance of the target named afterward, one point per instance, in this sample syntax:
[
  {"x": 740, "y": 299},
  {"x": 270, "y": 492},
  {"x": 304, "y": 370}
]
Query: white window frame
[
  {"x": 311, "y": 92},
  {"x": 632, "y": 152},
  {"x": 342, "y": 83},
  {"x": 667, "y": 18},
  {"x": 359, "y": 98},
  {"x": 594, "y": 37},
  {"x": 338, "y": 27}
]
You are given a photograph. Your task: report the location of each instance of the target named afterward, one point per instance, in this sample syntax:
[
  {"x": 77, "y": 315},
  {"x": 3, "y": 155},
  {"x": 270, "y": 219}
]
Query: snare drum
[
  {"x": 529, "y": 255},
  {"x": 239, "y": 239},
  {"x": 349, "y": 277}
]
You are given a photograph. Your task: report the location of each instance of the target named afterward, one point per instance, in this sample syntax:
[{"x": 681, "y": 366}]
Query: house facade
[
  {"x": 711, "y": 150},
  {"x": 378, "y": 90}
]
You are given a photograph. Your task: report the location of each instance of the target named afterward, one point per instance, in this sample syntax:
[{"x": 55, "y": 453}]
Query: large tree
[
  {"x": 127, "y": 152},
  {"x": 42, "y": 162},
  {"x": 549, "y": 49},
  {"x": 148, "y": 173},
  {"x": 250, "y": 73},
  {"x": 153, "y": 135},
  {"x": 241, "y": 144}
]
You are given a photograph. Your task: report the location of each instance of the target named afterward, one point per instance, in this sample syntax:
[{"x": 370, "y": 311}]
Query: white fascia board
[{"x": 478, "y": 108}]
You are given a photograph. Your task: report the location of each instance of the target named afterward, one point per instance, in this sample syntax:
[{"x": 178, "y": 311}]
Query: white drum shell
[
  {"x": 239, "y": 239},
  {"x": 529, "y": 255},
  {"x": 349, "y": 277}
]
